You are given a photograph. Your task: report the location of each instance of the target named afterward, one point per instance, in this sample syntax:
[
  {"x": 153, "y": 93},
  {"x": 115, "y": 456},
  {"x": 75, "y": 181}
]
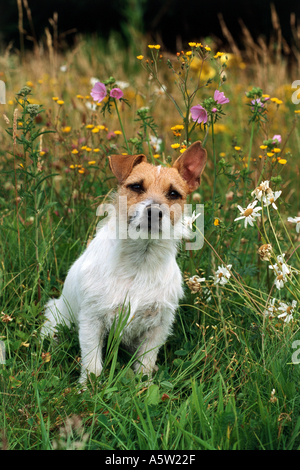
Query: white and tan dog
[{"x": 139, "y": 273}]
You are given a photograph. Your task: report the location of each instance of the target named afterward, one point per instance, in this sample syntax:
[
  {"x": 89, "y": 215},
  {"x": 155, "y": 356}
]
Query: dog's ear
[
  {"x": 122, "y": 165},
  {"x": 191, "y": 163}
]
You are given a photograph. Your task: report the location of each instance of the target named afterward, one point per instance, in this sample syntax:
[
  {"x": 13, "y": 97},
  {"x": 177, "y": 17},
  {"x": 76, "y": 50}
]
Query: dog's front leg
[
  {"x": 91, "y": 336},
  {"x": 151, "y": 341}
]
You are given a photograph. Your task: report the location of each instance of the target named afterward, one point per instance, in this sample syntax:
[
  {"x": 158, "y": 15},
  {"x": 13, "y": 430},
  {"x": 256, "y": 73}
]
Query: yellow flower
[
  {"x": 237, "y": 148},
  {"x": 216, "y": 222},
  {"x": 88, "y": 149},
  {"x": 66, "y": 129},
  {"x": 87, "y": 97},
  {"x": 90, "y": 126},
  {"x": 42, "y": 153},
  {"x": 102, "y": 128},
  {"x": 177, "y": 127},
  {"x": 199, "y": 44},
  {"x": 81, "y": 171},
  {"x": 156, "y": 155},
  {"x": 175, "y": 146},
  {"x": 30, "y": 84},
  {"x": 95, "y": 130},
  {"x": 282, "y": 161},
  {"x": 192, "y": 44},
  {"x": 55, "y": 98},
  {"x": 265, "y": 96},
  {"x": 80, "y": 97},
  {"x": 277, "y": 150},
  {"x": 117, "y": 132},
  {"x": 124, "y": 153},
  {"x": 157, "y": 46},
  {"x": 276, "y": 100},
  {"x": 218, "y": 54},
  {"x": 74, "y": 151},
  {"x": 296, "y": 112},
  {"x": 40, "y": 81},
  {"x": 83, "y": 147},
  {"x": 260, "y": 156},
  {"x": 140, "y": 57},
  {"x": 182, "y": 150},
  {"x": 72, "y": 167},
  {"x": 222, "y": 154},
  {"x": 207, "y": 48},
  {"x": 60, "y": 102},
  {"x": 270, "y": 154},
  {"x": 92, "y": 162},
  {"x": 188, "y": 53},
  {"x": 96, "y": 150},
  {"x": 150, "y": 46},
  {"x": 21, "y": 165},
  {"x": 263, "y": 147},
  {"x": 11, "y": 102}
]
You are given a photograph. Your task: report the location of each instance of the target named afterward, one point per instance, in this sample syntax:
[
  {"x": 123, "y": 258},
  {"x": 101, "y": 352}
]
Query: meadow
[{"x": 228, "y": 377}]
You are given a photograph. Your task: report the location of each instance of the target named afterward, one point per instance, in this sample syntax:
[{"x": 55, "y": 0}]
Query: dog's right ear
[{"x": 122, "y": 165}]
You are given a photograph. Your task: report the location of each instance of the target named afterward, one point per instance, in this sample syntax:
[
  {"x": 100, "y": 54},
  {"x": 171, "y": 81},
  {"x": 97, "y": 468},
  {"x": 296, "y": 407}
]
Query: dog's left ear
[
  {"x": 191, "y": 163},
  {"x": 122, "y": 165}
]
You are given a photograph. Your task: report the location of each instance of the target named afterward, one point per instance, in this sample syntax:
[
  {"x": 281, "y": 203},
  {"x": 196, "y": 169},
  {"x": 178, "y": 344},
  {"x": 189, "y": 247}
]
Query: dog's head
[{"x": 154, "y": 193}]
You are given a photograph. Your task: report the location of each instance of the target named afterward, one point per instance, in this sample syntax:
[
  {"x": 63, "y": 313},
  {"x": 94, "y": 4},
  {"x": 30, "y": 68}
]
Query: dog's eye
[
  {"x": 174, "y": 195},
  {"x": 137, "y": 187}
]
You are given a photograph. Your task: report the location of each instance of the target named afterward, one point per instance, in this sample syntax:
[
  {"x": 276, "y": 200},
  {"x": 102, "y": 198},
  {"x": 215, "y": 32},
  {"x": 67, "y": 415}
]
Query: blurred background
[{"x": 169, "y": 22}]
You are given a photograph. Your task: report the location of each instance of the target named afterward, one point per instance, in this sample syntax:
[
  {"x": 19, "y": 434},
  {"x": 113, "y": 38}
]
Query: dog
[{"x": 138, "y": 273}]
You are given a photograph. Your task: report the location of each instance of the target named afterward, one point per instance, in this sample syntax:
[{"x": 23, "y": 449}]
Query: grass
[{"x": 217, "y": 372}]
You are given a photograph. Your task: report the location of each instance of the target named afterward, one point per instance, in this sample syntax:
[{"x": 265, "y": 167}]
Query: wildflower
[
  {"x": 271, "y": 197},
  {"x": 98, "y": 92},
  {"x": 271, "y": 309},
  {"x": 92, "y": 162},
  {"x": 121, "y": 84},
  {"x": 220, "y": 98},
  {"x": 140, "y": 57},
  {"x": 66, "y": 129},
  {"x": 218, "y": 54},
  {"x": 42, "y": 153},
  {"x": 175, "y": 146},
  {"x": 156, "y": 155},
  {"x": 194, "y": 284},
  {"x": 276, "y": 139},
  {"x": 214, "y": 110},
  {"x": 74, "y": 151},
  {"x": 177, "y": 127},
  {"x": 276, "y": 150},
  {"x": 265, "y": 251},
  {"x": 81, "y": 171},
  {"x": 281, "y": 265},
  {"x": 88, "y": 149},
  {"x": 222, "y": 275},
  {"x": 102, "y": 128},
  {"x": 116, "y": 93},
  {"x": 297, "y": 111},
  {"x": 89, "y": 126},
  {"x": 80, "y": 97},
  {"x": 95, "y": 130},
  {"x": 249, "y": 213},
  {"x": 192, "y": 44},
  {"x": 295, "y": 220},
  {"x": 92, "y": 106},
  {"x": 188, "y": 221},
  {"x": 117, "y": 132},
  {"x": 155, "y": 142},
  {"x": 261, "y": 190},
  {"x": 6, "y": 318},
  {"x": 216, "y": 222},
  {"x": 237, "y": 148},
  {"x": 207, "y": 48},
  {"x": 258, "y": 102},
  {"x": 287, "y": 310},
  {"x": 60, "y": 102},
  {"x": 96, "y": 150},
  {"x": 263, "y": 147},
  {"x": 273, "y": 399},
  {"x": 188, "y": 53},
  {"x": 63, "y": 68},
  {"x": 282, "y": 161},
  {"x": 270, "y": 154},
  {"x": 199, "y": 114}
]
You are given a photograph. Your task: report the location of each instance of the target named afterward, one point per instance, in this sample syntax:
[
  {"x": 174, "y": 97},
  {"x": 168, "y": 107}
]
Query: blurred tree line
[{"x": 164, "y": 20}]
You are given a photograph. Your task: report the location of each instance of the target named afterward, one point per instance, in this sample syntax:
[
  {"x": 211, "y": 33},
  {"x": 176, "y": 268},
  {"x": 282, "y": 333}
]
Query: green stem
[
  {"x": 215, "y": 166},
  {"x": 123, "y": 132},
  {"x": 249, "y": 157}
]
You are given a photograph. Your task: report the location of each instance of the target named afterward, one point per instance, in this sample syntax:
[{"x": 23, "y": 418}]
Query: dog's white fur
[{"x": 141, "y": 275}]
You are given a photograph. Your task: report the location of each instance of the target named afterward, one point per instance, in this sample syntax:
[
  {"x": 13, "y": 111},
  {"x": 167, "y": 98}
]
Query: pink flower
[
  {"x": 276, "y": 137},
  {"x": 99, "y": 92},
  {"x": 199, "y": 114},
  {"x": 116, "y": 93},
  {"x": 214, "y": 110},
  {"x": 220, "y": 98}
]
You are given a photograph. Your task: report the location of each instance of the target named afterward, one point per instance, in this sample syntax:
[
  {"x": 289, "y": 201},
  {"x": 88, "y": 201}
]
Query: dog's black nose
[{"x": 154, "y": 212}]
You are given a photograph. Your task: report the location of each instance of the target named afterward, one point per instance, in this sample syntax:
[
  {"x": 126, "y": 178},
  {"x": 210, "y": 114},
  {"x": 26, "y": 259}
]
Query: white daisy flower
[
  {"x": 249, "y": 213},
  {"x": 63, "y": 68},
  {"x": 188, "y": 221},
  {"x": 122, "y": 85},
  {"x": 295, "y": 220},
  {"x": 222, "y": 275},
  {"x": 287, "y": 310},
  {"x": 91, "y": 106},
  {"x": 270, "y": 310},
  {"x": 281, "y": 266},
  {"x": 280, "y": 280},
  {"x": 156, "y": 143},
  {"x": 260, "y": 190},
  {"x": 270, "y": 198}
]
